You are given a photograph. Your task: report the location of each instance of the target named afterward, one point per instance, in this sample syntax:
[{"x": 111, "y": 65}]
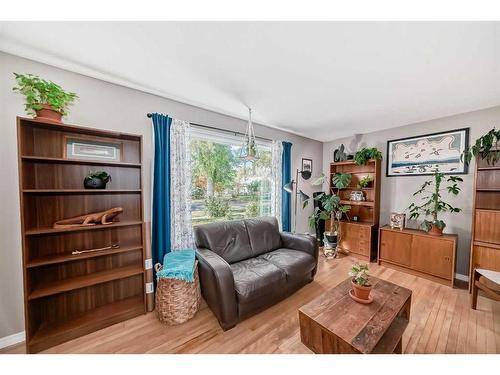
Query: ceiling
[{"x": 323, "y": 80}]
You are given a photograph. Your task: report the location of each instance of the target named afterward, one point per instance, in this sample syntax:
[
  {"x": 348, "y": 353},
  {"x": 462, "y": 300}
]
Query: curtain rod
[{"x": 222, "y": 130}]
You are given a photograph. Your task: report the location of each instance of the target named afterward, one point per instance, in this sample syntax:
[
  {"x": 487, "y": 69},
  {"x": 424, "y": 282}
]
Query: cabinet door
[
  {"x": 433, "y": 256},
  {"x": 349, "y": 235},
  {"x": 395, "y": 247}
]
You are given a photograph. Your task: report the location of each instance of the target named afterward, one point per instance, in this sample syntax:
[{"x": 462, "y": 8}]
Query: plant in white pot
[
  {"x": 360, "y": 282},
  {"x": 433, "y": 203},
  {"x": 331, "y": 209}
]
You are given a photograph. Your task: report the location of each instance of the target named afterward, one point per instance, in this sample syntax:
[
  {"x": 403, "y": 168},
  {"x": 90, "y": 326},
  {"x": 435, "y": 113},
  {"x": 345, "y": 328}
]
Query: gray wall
[
  {"x": 396, "y": 192},
  {"x": 101, "y": 105}
]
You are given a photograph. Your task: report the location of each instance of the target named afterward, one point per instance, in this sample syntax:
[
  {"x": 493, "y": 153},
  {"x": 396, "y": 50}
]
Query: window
[{"x": 223, "y": 186}]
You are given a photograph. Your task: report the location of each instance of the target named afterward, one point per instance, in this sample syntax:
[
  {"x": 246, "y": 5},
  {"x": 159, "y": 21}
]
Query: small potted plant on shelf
[
  {"x": 487, "y": 146},
  {"x": 360, "y": 282},
  {"x": 43, "y": 99},
  {"x": 365, "y": 154},
  {"x": 433, "y": 203},
  {"x": 365, "y": 182},
  {"x": 96, "y": 180},
  {"x": 332, "y": 210}
]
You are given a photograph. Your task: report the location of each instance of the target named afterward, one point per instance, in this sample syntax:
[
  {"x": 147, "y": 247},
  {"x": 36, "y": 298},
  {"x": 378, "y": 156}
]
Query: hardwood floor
[{"x": 441, "y": 322}]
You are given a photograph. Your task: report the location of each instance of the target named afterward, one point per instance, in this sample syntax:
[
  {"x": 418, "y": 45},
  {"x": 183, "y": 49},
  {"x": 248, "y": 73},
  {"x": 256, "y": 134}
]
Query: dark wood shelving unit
[
  {"x": 66, "y": 295},
  {"x": 485, "y": 244},
  {"x": 359, "y": 237}
]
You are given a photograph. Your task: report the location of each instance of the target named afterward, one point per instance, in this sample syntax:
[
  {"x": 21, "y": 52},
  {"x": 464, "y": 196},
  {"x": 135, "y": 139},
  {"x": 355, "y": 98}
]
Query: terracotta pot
[
  {"x": 435, "y": 231},
  {"x": 48, "y": 113},
  {"x": 361, "y": 292}
]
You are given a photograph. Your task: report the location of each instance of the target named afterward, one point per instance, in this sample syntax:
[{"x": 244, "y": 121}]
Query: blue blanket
[{"x": 179, "y": 265}]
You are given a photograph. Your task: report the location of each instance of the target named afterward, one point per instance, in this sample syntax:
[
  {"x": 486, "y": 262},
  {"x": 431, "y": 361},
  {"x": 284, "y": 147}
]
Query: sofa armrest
[
  {"x": 302, "y": 242},
  {"x": 217, "y": 286}
]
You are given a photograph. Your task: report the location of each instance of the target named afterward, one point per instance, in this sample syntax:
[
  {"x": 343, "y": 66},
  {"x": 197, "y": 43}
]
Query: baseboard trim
[
  {"x": 459, "y": 276},
  {"x": 14, "y": 339}
]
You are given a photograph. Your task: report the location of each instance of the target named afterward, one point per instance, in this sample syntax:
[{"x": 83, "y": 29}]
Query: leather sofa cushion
[
  {"x": 294, "y": 263},
  {"x": 264, "y": 234},
  {"x": 228, "y": 239},
  {"x": 255, "y": 278}
]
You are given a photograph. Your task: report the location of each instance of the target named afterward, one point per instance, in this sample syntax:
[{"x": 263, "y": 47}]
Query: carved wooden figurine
[{"x": 103, "y": 217}]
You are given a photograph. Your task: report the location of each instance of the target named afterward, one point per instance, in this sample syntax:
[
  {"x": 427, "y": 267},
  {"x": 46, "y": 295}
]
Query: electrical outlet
[
  {"x": 149, "y": 288},
  {"x": 148, "y": 264}
]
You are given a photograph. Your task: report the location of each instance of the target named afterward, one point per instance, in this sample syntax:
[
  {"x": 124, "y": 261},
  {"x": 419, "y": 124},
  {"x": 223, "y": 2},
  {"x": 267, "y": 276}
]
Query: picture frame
[
  {"x": 307, "y": 165},
  {"x": 84, "y": 148},
  {"x": 422, "y": 155}
]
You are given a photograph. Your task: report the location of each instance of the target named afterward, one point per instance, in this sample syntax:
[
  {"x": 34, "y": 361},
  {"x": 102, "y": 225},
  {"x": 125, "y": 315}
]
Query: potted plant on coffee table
[
  {"x": 433, "y": 203},
  {"x": 45, "y": 100},
  {"x": 360, "y": 283}
]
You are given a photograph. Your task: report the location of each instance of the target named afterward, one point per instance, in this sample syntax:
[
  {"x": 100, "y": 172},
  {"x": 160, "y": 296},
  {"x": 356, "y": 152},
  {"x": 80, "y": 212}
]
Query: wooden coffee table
[{"x": 335, "y": 323}]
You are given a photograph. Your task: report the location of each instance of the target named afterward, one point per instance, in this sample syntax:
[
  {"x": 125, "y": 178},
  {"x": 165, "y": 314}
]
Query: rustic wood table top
[{"x": 335, "y": 323}]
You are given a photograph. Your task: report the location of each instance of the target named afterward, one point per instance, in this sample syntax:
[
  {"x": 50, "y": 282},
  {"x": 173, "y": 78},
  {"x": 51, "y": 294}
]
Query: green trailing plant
[
  {"x": 487, "y": 146},
  {"x": 433, "y": 203},
  {"x": 365, "y": 181},
  {"x": 359, "y": 273},
  {"x": 38, "y": 91},
  {"x": 365, "y": 154},
  {"x": 104, "y": 176},
  {"x": 331, "y": 203}
]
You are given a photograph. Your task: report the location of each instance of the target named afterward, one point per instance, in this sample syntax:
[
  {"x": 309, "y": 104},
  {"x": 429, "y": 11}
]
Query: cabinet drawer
[
  {"x": 365, "y": 233},
  {"x": 395, "y": 247},
  {"x": 433, "y": 256},
  {"x": 486, "y": 226},
  {"x": 486, "y": 257}
]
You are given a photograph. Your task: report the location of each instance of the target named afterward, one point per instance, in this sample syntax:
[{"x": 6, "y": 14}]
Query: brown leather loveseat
[{"x": 248, "y": 265}]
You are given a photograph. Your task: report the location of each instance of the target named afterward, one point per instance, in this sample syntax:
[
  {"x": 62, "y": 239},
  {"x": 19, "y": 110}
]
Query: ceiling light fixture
[{"x": 249, "y": 150}]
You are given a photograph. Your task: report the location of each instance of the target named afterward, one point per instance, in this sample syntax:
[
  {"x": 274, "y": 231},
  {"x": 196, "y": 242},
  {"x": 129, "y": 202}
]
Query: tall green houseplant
[
  {"x": 433, "y": 203},
  {"x": 332, "y": 209}
]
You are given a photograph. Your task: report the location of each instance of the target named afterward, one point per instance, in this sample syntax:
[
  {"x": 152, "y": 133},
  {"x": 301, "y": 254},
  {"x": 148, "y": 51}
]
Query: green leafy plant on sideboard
[{"x": 433, "y": 203}]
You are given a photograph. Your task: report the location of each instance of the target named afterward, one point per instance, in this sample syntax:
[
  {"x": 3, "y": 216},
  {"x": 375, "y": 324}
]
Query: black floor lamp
[{"x": 306, "y": 175}]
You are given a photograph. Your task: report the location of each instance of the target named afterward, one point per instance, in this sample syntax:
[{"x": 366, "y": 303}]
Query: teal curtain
[
  {"x": 160, "y": 221},
  {"x": 286, "y": 177}
]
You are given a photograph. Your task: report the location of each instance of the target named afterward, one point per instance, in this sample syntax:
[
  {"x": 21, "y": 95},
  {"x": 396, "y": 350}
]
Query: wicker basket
[{"x": 177, "y": 301}]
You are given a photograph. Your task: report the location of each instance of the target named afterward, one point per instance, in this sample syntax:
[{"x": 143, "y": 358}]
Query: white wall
[
  {"x": 101, "y": 105},
  {"x": 396, "y": 192}
]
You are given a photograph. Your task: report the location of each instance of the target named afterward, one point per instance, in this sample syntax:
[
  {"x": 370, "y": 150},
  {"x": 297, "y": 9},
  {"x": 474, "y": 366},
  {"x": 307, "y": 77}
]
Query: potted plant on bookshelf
[
  {"x": 487, "y": 146},
  {"x": 331, "y": 209},
  {"x": 365, "y": 182},
  {"x": 365, "y": 154},
  {"x": 43, "y": 99},
  {"x": 433, "y": 203},
  {"x": 360, "y": 283},
  {"x": 96, "y": 180}
]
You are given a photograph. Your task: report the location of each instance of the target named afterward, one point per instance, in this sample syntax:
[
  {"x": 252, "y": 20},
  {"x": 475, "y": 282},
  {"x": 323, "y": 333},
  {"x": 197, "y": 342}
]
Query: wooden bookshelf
[
  {"x": 66, "y": 295},
  {"x": 485, "y": 244},
  {"x": 359, "y": 237}
]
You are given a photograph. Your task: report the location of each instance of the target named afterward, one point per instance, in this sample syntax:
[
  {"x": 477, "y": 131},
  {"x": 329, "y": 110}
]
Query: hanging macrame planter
[{"x": 249, "y": 151}]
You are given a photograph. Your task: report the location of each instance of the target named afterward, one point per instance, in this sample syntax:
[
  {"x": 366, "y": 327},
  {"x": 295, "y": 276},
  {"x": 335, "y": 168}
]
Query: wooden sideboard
[{"x": 416, "y": 252}]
